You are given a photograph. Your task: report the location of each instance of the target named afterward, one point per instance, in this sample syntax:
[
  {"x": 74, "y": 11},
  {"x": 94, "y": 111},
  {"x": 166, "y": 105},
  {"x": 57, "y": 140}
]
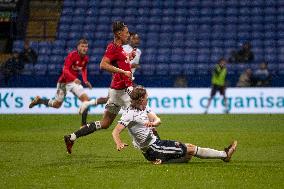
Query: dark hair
[
  {"x": 118, "y": 26},
  {"x": 137, "y": 94},
  {"x": 82, "y": 41}
]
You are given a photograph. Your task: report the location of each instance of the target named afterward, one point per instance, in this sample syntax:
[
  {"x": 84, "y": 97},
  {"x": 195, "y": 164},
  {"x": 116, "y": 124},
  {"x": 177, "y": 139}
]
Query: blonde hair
[{"x": 137, "y": 95}]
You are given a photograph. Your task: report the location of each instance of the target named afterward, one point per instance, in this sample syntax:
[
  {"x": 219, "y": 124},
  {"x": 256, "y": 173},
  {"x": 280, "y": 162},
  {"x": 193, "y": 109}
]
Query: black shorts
[
  {"x": 216, "y": 88},
  {"x": 165, "y": 150}
]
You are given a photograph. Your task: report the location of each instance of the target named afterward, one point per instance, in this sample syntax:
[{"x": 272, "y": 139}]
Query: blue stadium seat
[
  {"x": 166, "y": 28},
  {"x": 18, "y": 45},
  {"x": 148, "y": 69},
  {"x": 65, "y": 19},
  {"x": 81, "y": 3},
  {"x": 43, "y": 59},
  {"x": 67, "y": 11},
  {"x": 75, "y": 35},
  {"x": 71, "y": 44},
  {"x": 78, "y": 19},
  {"x": 40, "y": 69},
  {"x": 90, "y": 20},
  {"x": 168, "y": 12},
  {"x": 181, "y": 11},
  {"x": 28, "y": 70},
  {"x": 57, "y": 59},
  {"x": 58, "y": 51},
  {"x": 93, "y": 68},
  {"x": 162, "y": 69},
  {"x": 76, "y": 27},
  {"x": 68, "y": 3},
  {"x": 188, "y": 69},
  {"x": 175, "y": 69},
  {"x": 44, "y": 47},
  {"x": 62, "y": 35},
  {"x": 54, "y": 68}
]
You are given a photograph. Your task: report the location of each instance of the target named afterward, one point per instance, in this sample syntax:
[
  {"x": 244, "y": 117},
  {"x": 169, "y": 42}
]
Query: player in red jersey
[
  {"x": 75, "y": 62},
  {"x": 116, "y": 61}
]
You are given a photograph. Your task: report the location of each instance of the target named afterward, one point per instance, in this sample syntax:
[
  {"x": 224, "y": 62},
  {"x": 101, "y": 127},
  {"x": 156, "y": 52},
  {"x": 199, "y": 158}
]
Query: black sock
[
  {"x": 88, "y": 129},
  {"x": 84, "y": 117},
  {"x": 44, "y": 101}
]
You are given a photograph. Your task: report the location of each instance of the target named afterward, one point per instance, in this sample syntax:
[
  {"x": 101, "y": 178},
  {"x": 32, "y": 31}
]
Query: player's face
[
  {"x": 134, "y": 40},
  {"x": 82, "y": 48},
  {"x": 144, "y": 101},
  {"x": 223, "y": 63},
  {"x": 124, "y": 35}
]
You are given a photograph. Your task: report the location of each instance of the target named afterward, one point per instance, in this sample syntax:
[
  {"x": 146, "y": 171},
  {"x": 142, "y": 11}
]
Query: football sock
[
  {"x": 43, "y": 101},
  {"x": 208, "y": 153},
  {"x": 91, "y": 102},
  {"x": 73, "y": 137},
  {"x": 84, "y": 117},
  {"x": 50, "y": 103},
  {"x": 88, "y": 129}
]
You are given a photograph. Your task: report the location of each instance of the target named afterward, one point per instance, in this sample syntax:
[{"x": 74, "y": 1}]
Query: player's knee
[
  {"x": 84, "y": 97},
  {"x": 57, "y": 104},
  {"x": 191, "y": 149}
]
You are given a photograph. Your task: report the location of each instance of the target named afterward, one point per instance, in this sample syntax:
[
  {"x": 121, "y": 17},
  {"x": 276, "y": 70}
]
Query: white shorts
[
  {"x": 62, "y": 89},
  {"x": 117, "y": 99}
]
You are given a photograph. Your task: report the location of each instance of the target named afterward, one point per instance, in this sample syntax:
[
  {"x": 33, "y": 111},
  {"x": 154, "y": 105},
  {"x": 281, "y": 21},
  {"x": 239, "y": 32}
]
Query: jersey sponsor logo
[{"x": 77, "y": 66}]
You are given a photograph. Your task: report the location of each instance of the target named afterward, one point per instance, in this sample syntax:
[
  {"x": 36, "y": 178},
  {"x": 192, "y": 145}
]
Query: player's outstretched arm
[
  {"x": 154, "y": 120},
  {"x": 106, "y": 65},
  {"x": 116, "y": 137}
]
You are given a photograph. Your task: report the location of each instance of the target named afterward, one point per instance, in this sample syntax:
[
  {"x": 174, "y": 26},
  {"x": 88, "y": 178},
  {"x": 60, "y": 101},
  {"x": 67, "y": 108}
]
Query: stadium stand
[{"x": 178, "y": 37}]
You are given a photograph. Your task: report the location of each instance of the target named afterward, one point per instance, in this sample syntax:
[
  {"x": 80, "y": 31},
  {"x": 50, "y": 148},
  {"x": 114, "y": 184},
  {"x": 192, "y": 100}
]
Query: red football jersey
[
  {"x": 120, "y": 59},
  {"x": 74, "y": 64}
]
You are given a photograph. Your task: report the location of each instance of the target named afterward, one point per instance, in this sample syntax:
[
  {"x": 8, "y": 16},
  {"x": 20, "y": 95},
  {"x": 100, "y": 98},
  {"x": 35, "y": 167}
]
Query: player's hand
[
  {"x": 89, "y": 85},
  {"x": 128, "y": 74},
  {"x": 77, "y": 81},
  {"x": 149, "y": 124},
  {"x": 132, "y": 54},
  {"x": 121, "y": 146}
]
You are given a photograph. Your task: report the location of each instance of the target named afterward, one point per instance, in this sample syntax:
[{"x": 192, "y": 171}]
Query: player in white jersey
[
  {"x": 139, "y": 120},
  {"x": 133, "y": 44}
]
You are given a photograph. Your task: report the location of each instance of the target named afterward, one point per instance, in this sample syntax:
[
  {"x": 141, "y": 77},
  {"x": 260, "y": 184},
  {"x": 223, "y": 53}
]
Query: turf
[{"x": 32, "y": 154}]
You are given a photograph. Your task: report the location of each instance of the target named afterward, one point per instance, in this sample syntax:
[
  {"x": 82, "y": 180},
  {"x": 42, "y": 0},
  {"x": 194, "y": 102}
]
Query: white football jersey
[
  {"x": 127, "y": 48},
  {"x": 134, "y": 120}
]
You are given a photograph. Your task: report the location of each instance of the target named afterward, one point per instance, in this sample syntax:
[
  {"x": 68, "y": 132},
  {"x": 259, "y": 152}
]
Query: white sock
[
  {"x": 98, "y": 125},
  {"x": 93, "y": 102},
  {"x": 50, "y": 103},
  {"x": 208, "y": 153},
  {"x": 73, "y": 137}
]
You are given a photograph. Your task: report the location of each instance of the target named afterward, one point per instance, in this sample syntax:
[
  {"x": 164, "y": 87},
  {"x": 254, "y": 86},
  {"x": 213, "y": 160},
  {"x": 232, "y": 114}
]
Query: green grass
[{"x": 32, "y": 154}]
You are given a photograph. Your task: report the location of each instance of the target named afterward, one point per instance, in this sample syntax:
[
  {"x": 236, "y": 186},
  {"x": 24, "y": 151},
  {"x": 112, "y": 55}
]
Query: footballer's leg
[
  {"x": 91, "y": 127},
  {"x": 37, "y": 100},
  {"x": 93, "y": 102},
  {"x": 208, "y": 153},
  {"x": 83, "y": 99}
]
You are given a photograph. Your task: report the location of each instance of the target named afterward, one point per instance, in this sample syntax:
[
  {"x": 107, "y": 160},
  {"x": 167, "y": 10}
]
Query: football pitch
[{"x": 32, "y": 154}]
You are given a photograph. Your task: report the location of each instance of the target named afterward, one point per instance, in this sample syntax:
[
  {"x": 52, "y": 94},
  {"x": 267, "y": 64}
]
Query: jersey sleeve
[
  {"x": 125, "y": 119},
  {"x": 67, "y": 66},
  {"x": 84, "y": 71},
  {"x": 136, "y": 58},
  {"x": 110, "y": 52}
]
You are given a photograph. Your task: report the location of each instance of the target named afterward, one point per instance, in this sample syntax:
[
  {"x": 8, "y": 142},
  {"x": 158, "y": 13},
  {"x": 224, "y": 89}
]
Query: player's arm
[
  {"x": 67, "y": 67},
  {"x": 84, "y": 76},
  {"x": 154, "y": 120},
  {"x": 116, "y": 137},
  {"x": 133, "y": 65},
  {"x": 106, "y": 65}
]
